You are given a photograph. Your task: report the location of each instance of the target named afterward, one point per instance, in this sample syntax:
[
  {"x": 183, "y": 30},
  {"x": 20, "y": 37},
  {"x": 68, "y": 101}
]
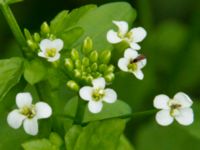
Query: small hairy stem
[{"x": 14, "y": 25}]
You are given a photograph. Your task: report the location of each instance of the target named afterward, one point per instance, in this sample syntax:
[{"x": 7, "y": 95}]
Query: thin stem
[{"x": 13, "y": 25}]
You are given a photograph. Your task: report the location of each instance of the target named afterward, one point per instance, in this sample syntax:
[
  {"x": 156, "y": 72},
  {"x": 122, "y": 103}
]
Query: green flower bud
[
  {"x": 78, "y": 63},
  {"x": 85, "y": 61},
  {"x": 45, "y": 28},
  {"x": 109, "y": 77},
  {"x": 77, "y": 73},
  {"x": 69, "y": 64},
  {"x": 102, "y": 67},
  {"x": 105, "y": 56},
  {"x": 87, "y": 45},
  {"x": 55, "y": 139},
  {"x": 96, "y": 74},
  {"x": 32, "y": 45},
  {"x": 89, "y": 79},
  {"x": 94, "y": 67},
  {"x": 73, "y": 85},
  {"x": 93, "y": 56},
  {"x": 28, "y": 34},
  {"x": 36, "y": 37},
  {"x": 74, "y": 54},
  {"x": 88, "y": 69},
  {"x": 109, "y": 69}
]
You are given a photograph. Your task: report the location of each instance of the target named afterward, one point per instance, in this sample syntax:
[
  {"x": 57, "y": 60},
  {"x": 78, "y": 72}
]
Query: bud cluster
[{"x": 88, "y": 65}]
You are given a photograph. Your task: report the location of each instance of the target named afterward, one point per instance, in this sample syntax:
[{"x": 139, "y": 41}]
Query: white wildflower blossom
[
  {"x": 28, "y": 114},
  {"x": 132, "y": 62},
  {"x": 50, "y": 49},
  {"x": 132, "y": 37},
  {"x": 178, "y": 108},
  {"x": 97, "y": 94}
]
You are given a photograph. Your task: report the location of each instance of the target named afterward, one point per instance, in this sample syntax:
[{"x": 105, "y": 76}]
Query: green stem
[{"x": 13, "y": 25}]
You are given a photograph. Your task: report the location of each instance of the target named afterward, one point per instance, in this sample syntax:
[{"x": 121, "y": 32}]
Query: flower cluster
[{"x": 132, "y": 61}]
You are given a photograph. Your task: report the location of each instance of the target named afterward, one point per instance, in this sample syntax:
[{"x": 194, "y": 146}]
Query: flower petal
[
  {"x": 139, "y": 74},
  {"x": 41, "y": 54},
  {"x": 99, "y": 83},
  {"x": 44, "y": 44},
  {"x": 130, "y": 53},
  {"x": 163, "y": 117},
  {"x": 58, "y": 44},
  {"x": 122, "y": 26},
  {"x": 186, "y": 116},
  {"x": 183, "y": 99},
  {"x": 110, "y": 96},
  {"x": 31, "y": 126},
  {"x": 138, "y": 34},
  {"x": 15, "y": 119},
  {"x": 123, "y": 64},
  {"x": 95, "y": 107},
  {"x": 86, "y": 93},
  {"x": 52, "y": 59},
  {"x": 161, "y": 101},
  {"x": 135, "y": 46},
  {"x": 142, "y": 63},
  {"x": 43, "y": 110},
  {"x": 112, "y": 37},
  {"x": 23, "y": 99}
]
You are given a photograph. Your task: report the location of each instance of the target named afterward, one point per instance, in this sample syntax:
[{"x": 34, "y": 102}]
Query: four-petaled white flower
[
  {"x": 28, "y": 114},
  {"x": 132, "y": 62},
  {"x": 50, "y": 49},
  {"x": 97, "y": 94},
  {"x": 177, "y": 108},
  {"x": 132, "y": 37}
]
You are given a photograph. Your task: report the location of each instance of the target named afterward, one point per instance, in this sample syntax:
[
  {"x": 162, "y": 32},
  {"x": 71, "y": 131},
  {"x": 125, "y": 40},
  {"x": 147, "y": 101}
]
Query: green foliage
[
  {"x": 124, "y": 144},
  {"x": 10, "y": 1},
  {"x": 10, "y": 74}
]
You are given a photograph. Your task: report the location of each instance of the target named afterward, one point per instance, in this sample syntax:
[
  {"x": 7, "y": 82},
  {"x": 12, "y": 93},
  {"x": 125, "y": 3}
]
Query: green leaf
[
  {"x": 99, "y": 135},
  {"x": 71, "y": 107},
  {"x": 10, "y": 1},
  {"x": 97, "y": 22},
  {"x": 117, "y": 109},
  {"x": 35, "y": 71},
  {"x": 10, "y": 74},
  {"x": 124, "y": 144},
  {"x": 42, "y": 144}
]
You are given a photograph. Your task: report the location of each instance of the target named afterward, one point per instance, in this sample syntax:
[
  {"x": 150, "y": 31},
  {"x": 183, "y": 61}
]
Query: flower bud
[
  {"x": 78, "y": 63},
  {"x": 45, "y": 28},
  {"x": 93, "y": 56},
  {"x": 87, "y": 45},
  {"x": 109, "y": 77},
  {"x": 102, "y": 67},
  {"x": 32, "y": 44},
  {"x": 73, "y": 85},
  {"x": 74, "y": 54},
  {"x": 27, "y": 34},
  {"x": 109, "y": 69},
  {"x": 55, "y": 139},
  {"x": 69, "y": 64},
  {"x": 85, "y": 61},
  {"x": 94, "y": 67},
  {"x": 77, "y": 73},
  {"x": 36, "y": 37},
  {"x": 105, "y": 56}
]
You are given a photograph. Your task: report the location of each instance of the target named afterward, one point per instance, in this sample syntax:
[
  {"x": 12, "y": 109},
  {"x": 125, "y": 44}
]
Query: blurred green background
[{"x": 173, "y": 51}]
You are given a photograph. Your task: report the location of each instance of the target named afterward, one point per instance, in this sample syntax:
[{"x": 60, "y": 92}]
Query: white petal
[
  {"x": 95, "y": 107},
  {"x": 135, "y": 46},
  {"x": 186, "y": 116},
  {"x": 110, "y": 96},
  {"x": 184, "y": 99},
  {"x": 23, "y": 99},
  {"x": 112, "y": 37},
  {"x": 138, "y": 34},
  {"x": 99, "y": 83},
  {"x": 15, "y": 119},
  {"x": 139, "y": 74},
  {"x": 163, "y": 117},
  {"x": 52, "y": 59},
  {"x": 130, "y": 53},
  {"x": 161, "y": 101},
  {"x": 122, "y": 26},
  {"x": 44, "y": 44},
  {"x": 123, "y": 64},
  {"x": 41, "y": 54},
  {"x": 31, "y": 126},
  {"x": 141, "y": 63},
  {"x": 86, "y": 93},
  {"x": 58, "y": 44},
  {"x": 43, "y": 110}
]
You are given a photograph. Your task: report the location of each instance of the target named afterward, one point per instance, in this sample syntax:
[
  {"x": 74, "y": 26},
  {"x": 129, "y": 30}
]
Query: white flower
[
  {"x": 132, "y": 37},
  {"x": 28, "y": 114},
  {"x": 50, "y": 49},
  {"x": 97, "y": 94},
  {"x": 177, "y": 108},
  {"x": 132, "y": 62}
]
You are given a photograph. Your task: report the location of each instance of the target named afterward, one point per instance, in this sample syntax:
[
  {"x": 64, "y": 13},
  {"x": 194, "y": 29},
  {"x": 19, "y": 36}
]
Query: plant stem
[{"x": 14, "y": 25}]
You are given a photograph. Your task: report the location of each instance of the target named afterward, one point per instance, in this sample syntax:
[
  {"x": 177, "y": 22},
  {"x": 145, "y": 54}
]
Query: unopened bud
[
  {"x": 85, "y": 61},
  {"x": 69, "y": 64},
  {"x": 110, "y": 69},
  {"x": 45, "y": 28},
  {"x": 102, "y": 67},
  {"x": 87, "y": 45},
  {"x": 109, "y": 77},
  {"x": 105, "y": 56},
  {"x": 77, "y": 73},
  {"x": 94, "y": 56},
  {"x": 32, "y": 45},
  {"x": 74, "y": 54},
  {"x": 78, "y": 63},
  {"x": 27, "y": 34},
  {"x": 36, "y": 37},
  {"x": 73, "y": 85},
  {"x": 94, "y": 67}
]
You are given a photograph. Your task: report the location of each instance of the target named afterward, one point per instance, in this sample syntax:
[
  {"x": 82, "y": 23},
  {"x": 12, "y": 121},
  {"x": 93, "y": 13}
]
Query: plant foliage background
[{"x": 173, "y": 51}]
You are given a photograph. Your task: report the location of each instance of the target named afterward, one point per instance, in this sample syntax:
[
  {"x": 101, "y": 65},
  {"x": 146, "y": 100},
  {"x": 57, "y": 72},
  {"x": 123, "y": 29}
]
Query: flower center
[
  {"x": 28, "y": 111},
  {"x": 128, "y": 35},
  {"x": 50, "y": 52},
  {"x": 175, "y": 106},
  {"x": 132, "y": 65},
  {"x": 98, "y": 94}
]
